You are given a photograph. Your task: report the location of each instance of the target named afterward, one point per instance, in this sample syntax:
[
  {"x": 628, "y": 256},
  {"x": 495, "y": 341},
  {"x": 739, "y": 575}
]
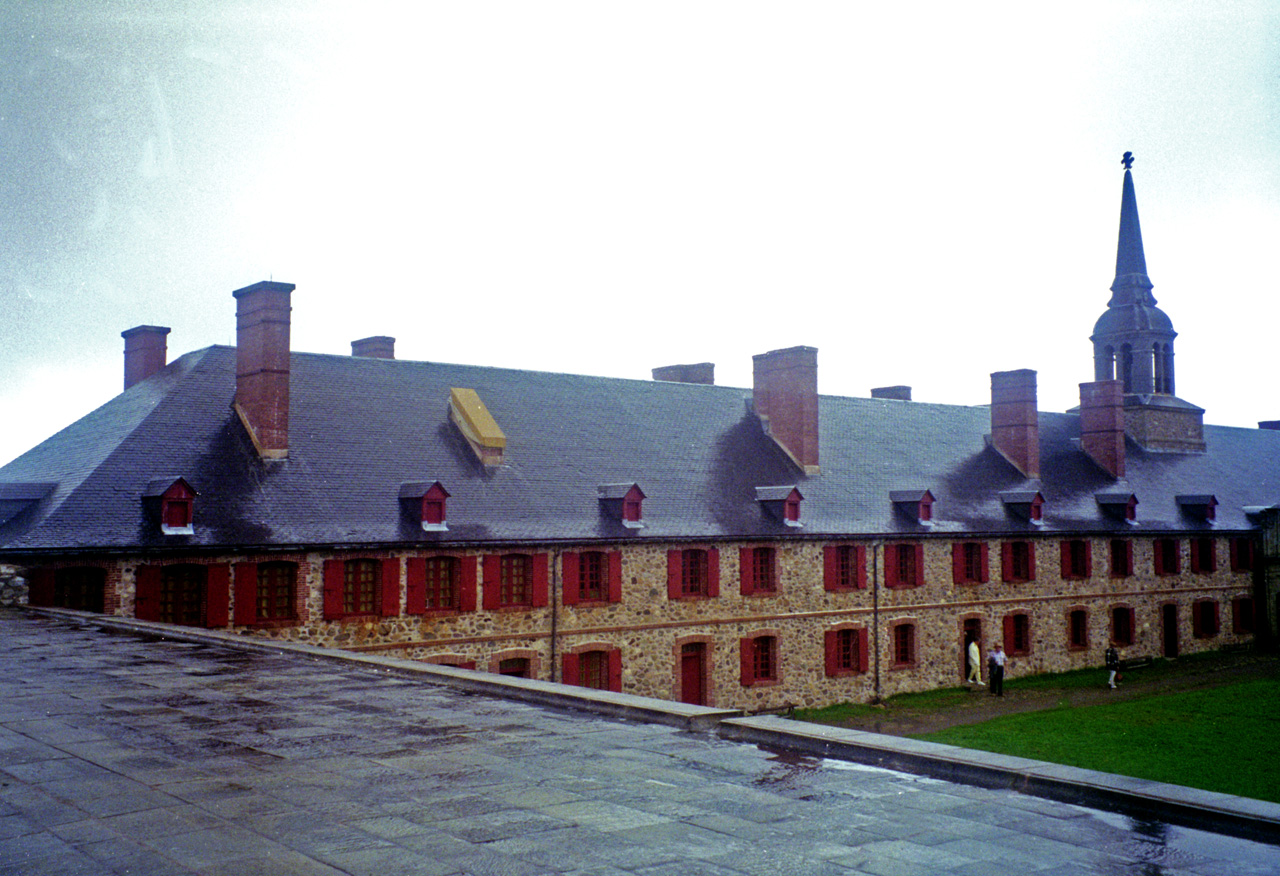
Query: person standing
[
  {"x": 1112, "y": 659},
  {"x": 975, "y": 663},
  {"x": 995, "y": 669}
]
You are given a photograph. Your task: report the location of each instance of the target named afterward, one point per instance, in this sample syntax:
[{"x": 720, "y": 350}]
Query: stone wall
[{"x": 13, "y": 587}]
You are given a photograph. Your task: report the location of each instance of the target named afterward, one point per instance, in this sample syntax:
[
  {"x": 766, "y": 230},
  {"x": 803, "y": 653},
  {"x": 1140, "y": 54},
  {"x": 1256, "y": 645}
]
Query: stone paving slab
[{"x": 121, "y": 754}]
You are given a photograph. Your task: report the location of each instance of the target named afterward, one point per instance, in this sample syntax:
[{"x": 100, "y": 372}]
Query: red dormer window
[
  {"x": 1199, "y": 507},
  {"x": 781, "y": 503},
  {"x": 433, "y": 505},
  {"x": 1120, "y": 506},
  {"x": 425, "y": 502},
  {"x": 631, "y": 506},
  {"x": 1036, "y": 508},
  {"x": 622, "y": 502},
  {"x": 1027, "y": 504},
  {"x": 175, "y": 499},
  {"x": 915, "y": 504}
]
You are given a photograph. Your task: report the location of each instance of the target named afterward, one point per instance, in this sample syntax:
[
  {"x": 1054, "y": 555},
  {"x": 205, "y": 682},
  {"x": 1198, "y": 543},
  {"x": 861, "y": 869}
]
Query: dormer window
[
  {"x": 176, "y": 500},
  {"x": 914, "y": 504},
  {"x": 622, "y": 502},
  {"x": 426, "y": 503},
  {"x": 1198, "y": 507},
  {"x": 1119, "y": 506},
  {"x": 1027, "y": 504},
  {"x": 781, "y": 504}
]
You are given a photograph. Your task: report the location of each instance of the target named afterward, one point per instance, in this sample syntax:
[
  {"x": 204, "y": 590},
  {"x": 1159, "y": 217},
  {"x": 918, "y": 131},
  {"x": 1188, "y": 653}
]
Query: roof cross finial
[{"x": 1127, "y": 160}]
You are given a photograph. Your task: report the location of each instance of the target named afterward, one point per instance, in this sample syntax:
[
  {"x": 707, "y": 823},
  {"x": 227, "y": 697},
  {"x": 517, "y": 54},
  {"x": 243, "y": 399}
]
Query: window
[
  {"x": 1241, "y": 554},
  {"x": 1078, "y": 629},
  {"x": 1204, "y": 618},
  {"x": 1204, "y": 555},
  {"x": 515, "y": 581},
  {"x": 1165, "y": 556},
  {"x": 82, "y": 588},
  {"x": 187, "y": 594},
  {"x": 277, "y": 589},
  {"x": 969, "y": 562},
  {"x": 442, "y": 583},
  {"x": 1121, "y": 558},
  {"x": 517, "y": 667},
  {"x": 844, "y": 567},
  {"x": 596, "y": 667},
  {"x": 1122, "y": 625},
  {"x": 1017, "y": 634},
  {"x": 1242, "y": 615},
  {"x": 846, "y": 651},
  {"x": 904, "y": 645},
  {"x": 759, "y": 660},
  {"x": 1018, "y": 561},
  {"x": 592, "y": 576},
  {"x": 361, "y": 587},
  {"x": 182, "y": 595},
  {"x": 1076, "y": 560},
  {"x": 758, "y": 570},
  {"x": 903, "y": 565},
  {"x": 693, "y": 573}
]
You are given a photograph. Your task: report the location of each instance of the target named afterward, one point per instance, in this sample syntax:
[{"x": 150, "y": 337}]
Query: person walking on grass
[
  {"x": 975, "y": 663},
  {"x": 995, "y": 669},
  {"x": 1112, "y": 658}
]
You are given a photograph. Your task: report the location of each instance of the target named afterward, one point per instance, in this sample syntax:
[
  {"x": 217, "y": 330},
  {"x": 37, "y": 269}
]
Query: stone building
[{"x": 745, "y": 548}]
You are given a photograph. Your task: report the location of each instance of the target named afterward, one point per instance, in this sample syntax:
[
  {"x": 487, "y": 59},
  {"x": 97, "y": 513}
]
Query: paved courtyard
[{"x": 124, "y": 755}]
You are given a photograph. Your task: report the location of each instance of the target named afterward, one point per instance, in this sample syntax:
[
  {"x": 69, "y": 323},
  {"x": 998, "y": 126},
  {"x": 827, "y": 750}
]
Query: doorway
[
  {"x": 971, "y": 631},
  {"x": 1169, "y": 629},
  {"x": 693, "y": 669}
]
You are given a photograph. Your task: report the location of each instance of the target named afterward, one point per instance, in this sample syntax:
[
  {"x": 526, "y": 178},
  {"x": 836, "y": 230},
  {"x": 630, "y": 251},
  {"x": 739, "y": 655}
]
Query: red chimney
[
  {"x": 1102, "y": 424},
  {"x": 1015, "y": 425},
  {"x": 262, "y": 365},
  {"x": 786, "y": 400},
  {"x": 380, "y": 347},
  {"x": 146, "y": 351}
]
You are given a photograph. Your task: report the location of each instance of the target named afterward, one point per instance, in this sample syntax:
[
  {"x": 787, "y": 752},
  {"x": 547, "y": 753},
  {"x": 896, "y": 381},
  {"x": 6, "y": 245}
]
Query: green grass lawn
[{"x": 1220, "y": 739}]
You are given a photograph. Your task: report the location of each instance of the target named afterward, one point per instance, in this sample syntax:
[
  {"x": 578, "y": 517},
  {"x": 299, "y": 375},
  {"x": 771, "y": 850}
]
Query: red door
[{"x": 692, "y": 669}]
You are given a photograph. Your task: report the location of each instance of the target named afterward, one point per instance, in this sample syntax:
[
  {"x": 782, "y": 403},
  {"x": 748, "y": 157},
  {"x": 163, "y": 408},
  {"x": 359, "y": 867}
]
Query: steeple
[{"x": 1131, "y": 285}]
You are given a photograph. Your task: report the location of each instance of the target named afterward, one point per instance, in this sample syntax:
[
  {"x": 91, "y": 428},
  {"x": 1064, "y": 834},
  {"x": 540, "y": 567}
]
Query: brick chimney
[
  {"x": 1015, "y": 426},
  {"x": 146, "y": 351},
  {"x": 702, "y": 372},
  {"x": 380, "y": 347},
  {"x": 1102, "y": 424},
  {"x": 785, "y": 397},
  {"x": 262, "y": 365}
]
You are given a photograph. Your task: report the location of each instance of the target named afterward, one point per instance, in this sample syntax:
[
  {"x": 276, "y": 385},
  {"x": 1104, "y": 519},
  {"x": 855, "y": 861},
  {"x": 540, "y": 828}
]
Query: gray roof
[{"x": 361, "y": 428}]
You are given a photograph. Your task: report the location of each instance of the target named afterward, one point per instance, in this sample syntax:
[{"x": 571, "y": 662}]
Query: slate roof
[{"x": 362, "y": 427}]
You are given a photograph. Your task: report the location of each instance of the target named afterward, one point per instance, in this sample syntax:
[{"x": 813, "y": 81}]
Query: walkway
[{"x": 120, "y": 754}]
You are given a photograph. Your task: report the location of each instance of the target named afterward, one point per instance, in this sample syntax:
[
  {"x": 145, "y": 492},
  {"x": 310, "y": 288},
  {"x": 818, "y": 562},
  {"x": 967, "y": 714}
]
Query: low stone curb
[{"x": 1205, "y": 810}]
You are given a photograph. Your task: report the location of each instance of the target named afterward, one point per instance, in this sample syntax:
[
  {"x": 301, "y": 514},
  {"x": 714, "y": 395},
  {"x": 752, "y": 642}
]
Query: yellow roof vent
[{"x": 477, "y": 425}]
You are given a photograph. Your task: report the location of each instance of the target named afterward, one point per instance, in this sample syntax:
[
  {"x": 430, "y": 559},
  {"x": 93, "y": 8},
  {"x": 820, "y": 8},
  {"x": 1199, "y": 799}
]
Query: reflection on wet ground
[{"x": 147, "y": 756}]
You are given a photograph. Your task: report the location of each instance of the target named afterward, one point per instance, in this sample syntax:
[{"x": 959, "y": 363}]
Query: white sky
[{"x": 926, "y": 192}]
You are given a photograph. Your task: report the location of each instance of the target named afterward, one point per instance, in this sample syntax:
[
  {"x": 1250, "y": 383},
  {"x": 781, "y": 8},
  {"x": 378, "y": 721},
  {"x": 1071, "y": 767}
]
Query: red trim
[
  {"x": 747, "y": 570},
  {"x": 569, "y": 572},
  {"x": 415, "y": 585},
  {"x": 217, "y": 595},
  {"x": 891, "y": 565},
  {"x": 334, "y": 575},
  {"x": 246, "y": 607},
  {"x": 675, "y": 563},
  {"x": 615, "y": 670},
  {"x": 713, "y": 572},
  {"x": 830, "y": 643},
  {"x": 615, "y": 576},
  {"x": 492, "y": 583},
  {"x": 467, "y": 583},
  {"x": 570, "y": 670},
  {"x": 391, "y": 587},
  {"x": 146, "y": 604}
]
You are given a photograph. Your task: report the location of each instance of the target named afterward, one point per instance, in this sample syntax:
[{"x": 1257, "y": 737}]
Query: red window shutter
[
  {"x": 246, "y": 611},
  {"x": 40, "y": 588},
  {"x": 539, "y": 592},
  {"x": 713, "y": 572},
  {"x": 746, "y": 653},
  {"x": 1133, "y": 623},
  {"x": 1235, "y": 554},
  {"x": 860, "y": 566},
  {"x": 334, "y": 576},
  {"x": 957, "y": 563},
  {"x": 569, "y": 673},
  {"x": 467, "y": 583},
  {"x": 830, "y": 568},
  {"x": 891, "y": 565},
  {"x": 615, "y": 576},
  {"x": 1217, "y": 624},
  {"x": 1157, "y": 554},
  {"x": 1196, "y": 561},
  {"x": 492, "y": 581},
  {"x": 983, "y": 574},
  {"x": 1066, "y": 559},
  {"x": 415, "y": 585},
  {"x": 146, "y": 604},
  {"x": 615, "y": 670},
  {"x": 217, "y": 595},
  {"x": 862, "y": 651},
  {"x": 1009, "y": 635},
  {"x": 1006, "y": 561},
  {"x": 569, "y": 572},
  {"x": 1088, "y": 559},
  {"x": 919, "y": 552},
  {"x": 747, "y": 570},
  {"x": 830, "y": 642},
  {"x": 675, "y": 566},
  {"x": 1031, "y": 561},
  {"x": 391, "y": 587},
  {"x": 1235, "y": 615}
]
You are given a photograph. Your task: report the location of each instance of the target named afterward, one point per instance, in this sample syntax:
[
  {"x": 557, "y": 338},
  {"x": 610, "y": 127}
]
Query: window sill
[{"x": 763, "y": 682}]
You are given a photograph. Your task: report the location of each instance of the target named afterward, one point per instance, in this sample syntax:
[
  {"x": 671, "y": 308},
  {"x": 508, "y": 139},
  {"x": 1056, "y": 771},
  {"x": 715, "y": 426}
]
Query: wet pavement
[{"x": 126, "y": 755}]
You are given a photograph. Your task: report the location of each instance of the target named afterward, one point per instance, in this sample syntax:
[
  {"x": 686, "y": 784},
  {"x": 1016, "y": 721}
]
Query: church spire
[{"x": 1131, "y": 285}]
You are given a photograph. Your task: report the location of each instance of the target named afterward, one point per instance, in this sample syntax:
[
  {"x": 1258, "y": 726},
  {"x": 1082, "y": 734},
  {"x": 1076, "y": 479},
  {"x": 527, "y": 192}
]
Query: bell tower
[{"x": 1133, "y": 343}]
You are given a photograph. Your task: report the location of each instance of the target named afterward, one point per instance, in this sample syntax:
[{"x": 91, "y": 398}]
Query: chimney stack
[
  {"x": 785, "y": 397},
  {"x": 262, "y": 365},
  {"x": 380, "y": 347},
  {"x": 702, "y": 372},
  {"x": 146, "y": 351},
  {"x": 1102, "y": 424},
  {"x": 899, "y": 393},
  {"x": 1015, "y": 425}
]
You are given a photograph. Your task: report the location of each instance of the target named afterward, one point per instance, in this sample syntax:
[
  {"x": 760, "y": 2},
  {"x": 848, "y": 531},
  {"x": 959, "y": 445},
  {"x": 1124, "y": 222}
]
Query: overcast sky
[{"x": 926, "y": 192}]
